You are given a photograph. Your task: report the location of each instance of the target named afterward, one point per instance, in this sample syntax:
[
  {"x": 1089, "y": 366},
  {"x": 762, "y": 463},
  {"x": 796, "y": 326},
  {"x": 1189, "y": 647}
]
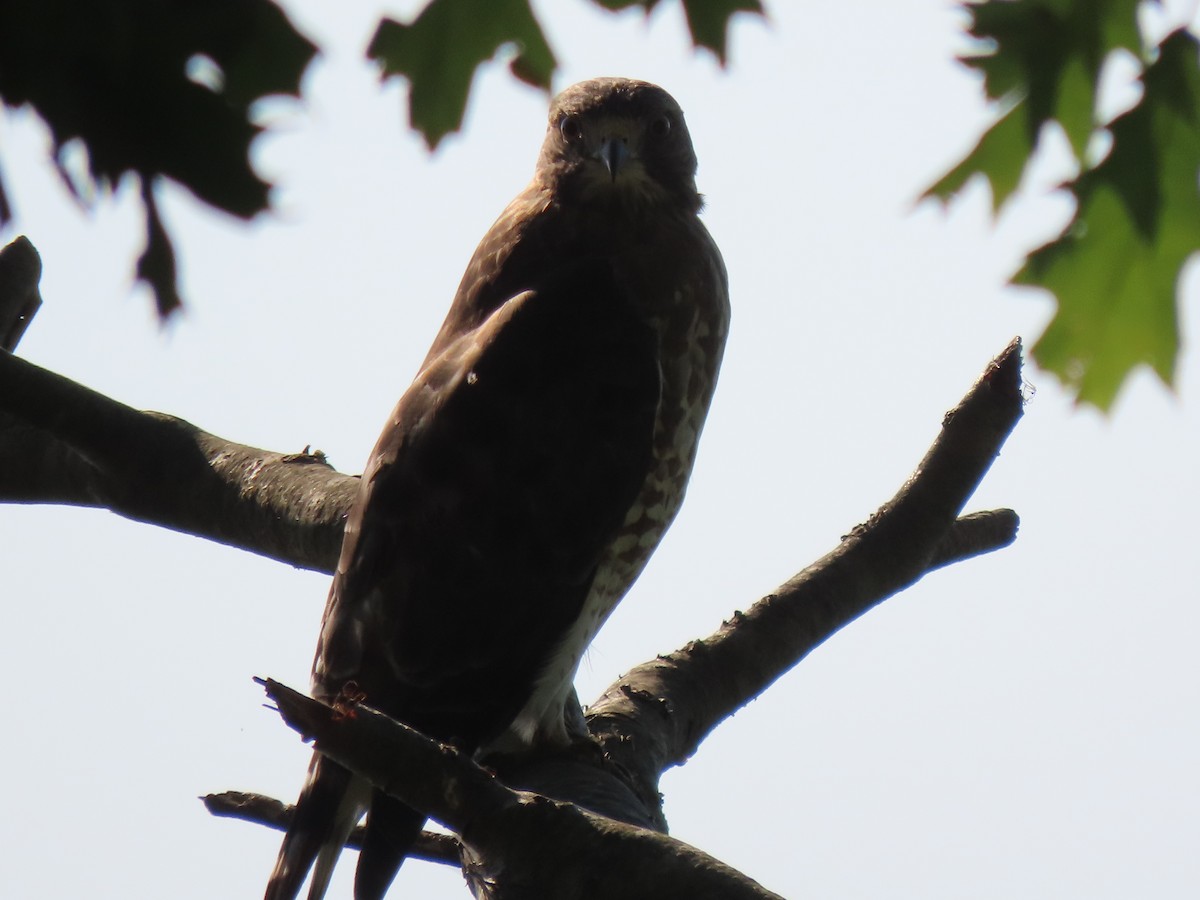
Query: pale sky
[{"x": 1022, "y": 725}]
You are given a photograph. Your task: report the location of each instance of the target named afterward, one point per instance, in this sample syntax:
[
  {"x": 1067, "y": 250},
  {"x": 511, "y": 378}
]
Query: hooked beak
[{"x": 614, "y": 153}]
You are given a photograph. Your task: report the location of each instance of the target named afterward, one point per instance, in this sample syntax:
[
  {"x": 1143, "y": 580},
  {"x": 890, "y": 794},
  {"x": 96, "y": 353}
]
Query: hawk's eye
[
  {"x": 570, "y": 129},
  {"x": 661, "y": 126}
]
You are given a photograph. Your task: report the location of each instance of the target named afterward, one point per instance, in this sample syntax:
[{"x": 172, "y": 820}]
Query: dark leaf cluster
[
  {"x": 1115, "y": 268},
  {"x": 439, "y": 51},
  {"x": 153, "y": 89},
  {"x": 158, "y": 89}
]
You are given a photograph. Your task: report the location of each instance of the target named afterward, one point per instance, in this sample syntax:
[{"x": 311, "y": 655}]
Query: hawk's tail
[
  {"x": 392, "y": 829},
  {"x": 332, "y": 802},
  {"x": 329, "y": 807}
]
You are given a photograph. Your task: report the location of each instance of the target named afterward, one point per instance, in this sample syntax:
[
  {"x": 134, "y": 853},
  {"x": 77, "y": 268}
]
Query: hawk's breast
[{"x": 690, "y": 315}]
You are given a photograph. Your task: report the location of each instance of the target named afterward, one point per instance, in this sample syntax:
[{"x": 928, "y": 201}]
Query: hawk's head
[{"x": 623, "y": 142}]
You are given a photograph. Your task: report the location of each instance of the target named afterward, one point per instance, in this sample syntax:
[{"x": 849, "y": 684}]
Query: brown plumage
[{"x": 526, "y": 476}]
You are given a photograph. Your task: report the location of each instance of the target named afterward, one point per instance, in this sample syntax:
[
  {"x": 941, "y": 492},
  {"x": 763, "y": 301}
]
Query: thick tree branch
[
  {"x": 657, "y": 715},
  {"x": 61, "y": 442},
  {"x": 508, "y": 835}
]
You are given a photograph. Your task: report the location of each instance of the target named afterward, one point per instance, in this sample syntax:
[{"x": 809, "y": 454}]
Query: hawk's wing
[{"x": 502, "y": 476}]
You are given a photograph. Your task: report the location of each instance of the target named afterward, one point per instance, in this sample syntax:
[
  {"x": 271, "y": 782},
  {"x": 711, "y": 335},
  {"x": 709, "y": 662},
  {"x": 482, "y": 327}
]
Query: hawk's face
[{"x": 618, "y": 142}]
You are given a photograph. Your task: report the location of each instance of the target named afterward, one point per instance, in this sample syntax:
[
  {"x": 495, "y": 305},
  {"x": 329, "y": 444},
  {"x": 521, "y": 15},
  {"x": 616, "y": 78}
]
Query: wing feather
[{"x": 501, "y": 478}]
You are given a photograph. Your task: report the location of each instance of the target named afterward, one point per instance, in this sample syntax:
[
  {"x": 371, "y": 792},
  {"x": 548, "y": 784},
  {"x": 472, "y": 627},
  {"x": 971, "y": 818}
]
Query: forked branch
[
  {"x": 657, "y": 715},
  {"x": 63, "y": 443}
]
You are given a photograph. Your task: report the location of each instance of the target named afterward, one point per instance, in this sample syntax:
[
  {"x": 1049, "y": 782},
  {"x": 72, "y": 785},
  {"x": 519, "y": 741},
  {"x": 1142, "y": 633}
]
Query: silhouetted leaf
[
  {"x": 1115, "y": 269},
  {"x": 1137, "y": 221},
  {"x": 440, "y": 51},
  {"x": 1047, "y": 56},
  {"x": 6, "y": 212},
  {"x": 115, "y": 76},
  {"x": 708, "y": 21},
  {"x": 1000, "y": 157},
  {"x": 156, "y": 265},
  {"x": 618, "y": 5}
]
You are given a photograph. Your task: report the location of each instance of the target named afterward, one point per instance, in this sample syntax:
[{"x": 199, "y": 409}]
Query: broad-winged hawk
[{"x": 525, "y": 477}]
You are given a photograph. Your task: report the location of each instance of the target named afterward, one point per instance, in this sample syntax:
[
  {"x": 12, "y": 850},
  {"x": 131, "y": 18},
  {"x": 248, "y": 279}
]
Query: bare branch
[
  {"x": 61, "y": 442},
  {"x": 508, "y": 836},
  {"x": 975, "y": 534},
  {"x": 263, "y": 810},
  {"x": 428, "y": 775},
  {"x": 657, "y": 715}
]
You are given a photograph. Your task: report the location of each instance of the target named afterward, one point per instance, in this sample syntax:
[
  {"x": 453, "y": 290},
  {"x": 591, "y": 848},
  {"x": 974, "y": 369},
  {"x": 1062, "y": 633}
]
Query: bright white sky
[{"x": 1024, "y": 725}]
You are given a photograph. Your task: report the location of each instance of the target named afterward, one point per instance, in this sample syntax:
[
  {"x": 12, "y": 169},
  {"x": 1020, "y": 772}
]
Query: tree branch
[
  {"x": 508, "y": 835},
  {"x": 262, "y": 810},
  {"x": 657, "y": 715},
  {"x": 61, "y": 442}
]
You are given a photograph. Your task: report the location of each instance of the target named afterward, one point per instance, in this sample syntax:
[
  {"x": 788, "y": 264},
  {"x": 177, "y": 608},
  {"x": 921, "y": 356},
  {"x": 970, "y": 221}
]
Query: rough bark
[
  {"x": 657, "y": 715},
  {"x": 63, "y": 443},
  {"x": 508, "y": 835}
]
